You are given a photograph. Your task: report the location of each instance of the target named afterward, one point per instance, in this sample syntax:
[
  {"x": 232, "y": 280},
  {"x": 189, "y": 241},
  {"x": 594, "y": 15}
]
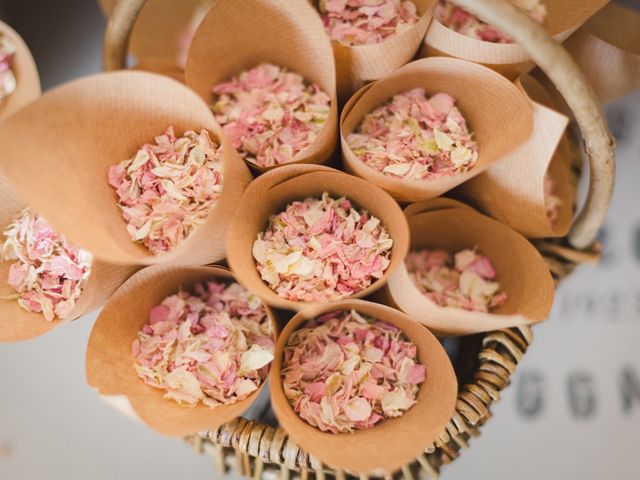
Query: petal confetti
[
  {"x": 461, "y": 21},
  {"x": 49, "y": 273},
  {"x": 7, "y": 77},
  {"x": 552, "y": 202},
  {"x": 269, "y": 114},
  {"x": 415, "y": 137},
  {"x": 345, "y": 371},
  {"x": 465, "y": 280},
  {"x": 168, "y": 188},
  {"x": 214, "y": 346},
  {"x": 319, "y": 250},
  {"x": 366, "y": 22}
]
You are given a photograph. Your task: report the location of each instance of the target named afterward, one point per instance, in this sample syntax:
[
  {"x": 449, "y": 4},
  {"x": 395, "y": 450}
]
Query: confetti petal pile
[
  {"x": 269, "y": 114},
  {"x": 552, "y": 202},
  {"x": 345, "y": 371},
  {"x": 214, "y": 346},
  {"x": 319, "y": 250},
  {"x": 7, "y": 77},
  {"x": 366, "y": 22},
  {"x": 168, "y": 188},
  {"x": 466, "y": 280},
  {"x": 463, "y": 22},
  {"x": 415, "y": 137},
  {"x": 49, "y": 273}
]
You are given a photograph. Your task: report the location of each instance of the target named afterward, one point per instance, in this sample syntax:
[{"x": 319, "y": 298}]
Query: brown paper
[
  {"x": 17, "y": 323},
  {"x": 26, "y": 73},
  {"x": 110, "y": 361},
  {"x": 453, "y": 226},
  {"x": 236, "y": 36},
  {"x": 498, "y": 114},
  {"x": 162, "y": 67},
  {"x": 607, "y": 49},
  {"x": 512, "y": 190},
  {"x": 509, "y": 59},
  {"x": 58, "y": 150},
  {"x": 393, "y": 442},
  {"x": 271, "y": 193}
]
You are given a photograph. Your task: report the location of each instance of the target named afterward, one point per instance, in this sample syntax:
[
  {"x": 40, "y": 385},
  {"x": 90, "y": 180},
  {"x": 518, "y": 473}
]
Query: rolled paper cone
[
  {"x": 512, "y": 190},
  {"x": 394, "y": 441},
  {"x": 497, "y": 112},
  {"x": 273, "y": 191},
  {"x": 236, "y": 36},
  {"x": 110, "y": 360},
  {"x": 58, "y": 150},
  {"x": 18, "y": 324},
  {"x": 521, "y": 271},
  {"x": 162, "y": 67},
  {"x": 26, "y": 73},
  {"x": 509, "y": 59},
  {"x": 607, "y": 49}
]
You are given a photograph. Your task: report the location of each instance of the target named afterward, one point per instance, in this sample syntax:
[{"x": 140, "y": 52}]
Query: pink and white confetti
[
  {"x": 213, "y": 347},
  {"x": 270, "y": 115},
  {"x": 415, "y": 137},
  {"x": 8, "y": 82},
  {"x": 49, "y": 273},
  {"x": 168, "y": 188},
  {"x": 345, "y": 371},
  {"x": 322, "y": 249}
]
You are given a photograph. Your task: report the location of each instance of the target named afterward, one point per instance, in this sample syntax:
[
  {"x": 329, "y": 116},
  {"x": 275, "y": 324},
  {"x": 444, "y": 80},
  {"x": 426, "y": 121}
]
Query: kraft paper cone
[
  {"x": 453, "y": 226},
  {"x": 498, "y": 114},
  {"x": 271, "y": 193},
  {"x": 357, "y": 65},
  {"x": 393, "y": 442},
  {"x": 110, "y": 361},
  {"x": 17, "y": 323},
  {"x": 162, "y": 67},
  {"x": 58, "y": 150},
  {"x": 26, "y": 73},
  {"x": 512, "y": 190},
  {"x": 236, "y": 36},
  {"x": 509, "y": 59},
  {"x": 607, "y": 49}
]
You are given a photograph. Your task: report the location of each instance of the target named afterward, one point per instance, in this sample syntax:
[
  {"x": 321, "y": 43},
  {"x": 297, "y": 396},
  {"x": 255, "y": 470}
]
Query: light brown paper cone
[
  {"x": 512, "y": 190},
  {"x": 452, "y": 226},
  {"x": 498, "y": 114},
  {"x": 26, "y": 73},
  {"x": 17, "y": 323},
  {"x": 236, "y": 36},
  {"x": 607, "y": 49},
  {"x": 162, "y": 67},
  {"x": 58, "y": 150},
  {"x": 271, "y": 193},
  {"x": 110, "y": 361},
  {"x": 394, "y": 441},
  {"x": 509, "y": 59}
]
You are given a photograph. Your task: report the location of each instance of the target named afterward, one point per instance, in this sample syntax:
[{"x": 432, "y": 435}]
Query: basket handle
[{"x": 549, "y": 55}]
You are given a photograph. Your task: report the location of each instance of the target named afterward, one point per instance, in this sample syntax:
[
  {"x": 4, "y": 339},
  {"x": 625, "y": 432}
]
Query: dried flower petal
[
  {"x": 50, "y": 273},
  {"x": 7, "y": 77},
  {"x": 214, "y": 346},
  {"x": 345, "y": 371},
  {"x": 168, "y": 188},
  {"x": 319, "y": 250},
  {"x": 466, "y": 280},
  {"x": 366, "y": 22},
  {"x": 415, "y": 137},
  {"x": 461, "y": 21},
  {"x": 270, "y": 115},
  {"x": 552, "y": 202}
]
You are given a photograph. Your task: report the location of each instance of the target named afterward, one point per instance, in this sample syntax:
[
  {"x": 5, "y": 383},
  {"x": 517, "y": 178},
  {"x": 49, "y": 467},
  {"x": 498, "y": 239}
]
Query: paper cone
[
  {"x": 110, "y": 361},
  {"x": 271, "y": 193},
  {"x": 162, "y": 67},
  {"x": 26, "y": 73},
  {"x": 498, "y": 114},
  {"x": 452, "y": 226},
  {"x": 58, "y": 150},
  {"x": 607, "y": 49},
  {"x": 512, "y": 190},
  {"x": 509, "y": 59},
  {"x": 393, "y": 442},
  {"x": 236, "y": 36}
]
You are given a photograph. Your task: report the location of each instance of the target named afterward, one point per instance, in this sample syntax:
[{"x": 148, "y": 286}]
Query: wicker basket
[{"x": 486, "y": 362}]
